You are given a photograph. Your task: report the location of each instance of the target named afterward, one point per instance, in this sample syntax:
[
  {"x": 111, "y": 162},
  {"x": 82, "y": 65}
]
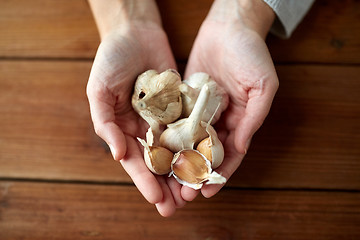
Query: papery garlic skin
[
  {"x": 157, "y": 159},
  {"x": 186, "y": 133},
  {"x": 157, "y": 97},
  {"x": 190, "y": 90},
  {"x": 191, "y": 168},
  {"x": 152, "y": 136}
]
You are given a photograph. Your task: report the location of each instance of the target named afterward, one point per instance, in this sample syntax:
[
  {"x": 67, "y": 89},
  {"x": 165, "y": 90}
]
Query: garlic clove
[
  {"x": 204, "y": 147},
  {"x": 157, "y": 159},
  {"x": 211, "y": 147},
  {"x": 191, "y": 88},
  {"x": 157, "y": 97},
  {"x": 186, "y": 133},
  {"x": 191, "y": 168}
]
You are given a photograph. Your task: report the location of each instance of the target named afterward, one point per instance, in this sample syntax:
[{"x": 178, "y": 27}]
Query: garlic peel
[
  {"x": 215, "y": 178},
  {"x": 182, "y": 182},
  {"x": 188, "y": 96},
  {"x": 150, "y": 138}
]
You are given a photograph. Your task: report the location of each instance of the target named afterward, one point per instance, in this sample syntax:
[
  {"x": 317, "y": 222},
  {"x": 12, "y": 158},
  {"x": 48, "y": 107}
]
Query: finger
[
  {"x": 175, "y": 189},
  {"x": 231, "y": 162},
  {"x": 166, "y": 207},
  {"x": 144, "y": 180},
  {"x": 189, "y": 194},
  {"x": 103, "y": 117},
  {"x": 257, "y": 108}
]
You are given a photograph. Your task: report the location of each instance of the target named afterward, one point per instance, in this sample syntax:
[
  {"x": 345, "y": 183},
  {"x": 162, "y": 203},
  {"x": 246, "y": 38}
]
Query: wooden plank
[
  {"x": 71, "y": 211},
  {"x": 45, "y": 28},
  {"x": 46, "y": 130},
  {"x": 310, "y": 139},
  {"x": 330, "y": 33}
]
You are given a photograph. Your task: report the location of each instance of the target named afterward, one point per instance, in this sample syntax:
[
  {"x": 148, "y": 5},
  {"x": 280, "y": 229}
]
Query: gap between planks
[{"x": 116, "y": 183}]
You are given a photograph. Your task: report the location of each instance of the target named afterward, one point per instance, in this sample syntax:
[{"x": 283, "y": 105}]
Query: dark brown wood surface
[
  {"x": 299, "y": 180},
  {"x": 330, "y": 33},
  {"x": 77, "y": 211}
]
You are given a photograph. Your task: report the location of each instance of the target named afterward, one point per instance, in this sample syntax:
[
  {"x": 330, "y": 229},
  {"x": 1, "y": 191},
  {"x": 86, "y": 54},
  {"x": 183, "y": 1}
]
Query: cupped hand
[
  {"x": 236, "y": 56},
  {"x": 122, "y": 55}
]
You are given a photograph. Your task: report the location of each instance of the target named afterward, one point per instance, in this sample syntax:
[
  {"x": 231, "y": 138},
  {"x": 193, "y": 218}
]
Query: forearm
[
  {"x": 253, "y": 14},
  {"x": 112, "y": 14}
]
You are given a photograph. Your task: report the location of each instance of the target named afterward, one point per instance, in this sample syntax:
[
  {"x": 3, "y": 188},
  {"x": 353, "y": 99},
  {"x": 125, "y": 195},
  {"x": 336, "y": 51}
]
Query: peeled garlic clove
[
  {"x": 204, "y": 148},
  {"x": 186, "y": 133},
  {"x": 157, "y": 159},
  {"x": 211, "y": 147},
  {"x": 192, "y": 169},
  {"x": 157, "y": 97},
  {"x": 190, "y": 90}
]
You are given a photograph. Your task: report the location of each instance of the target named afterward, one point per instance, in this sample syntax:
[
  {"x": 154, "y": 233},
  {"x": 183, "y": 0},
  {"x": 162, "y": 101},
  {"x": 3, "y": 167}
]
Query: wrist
[
  {"x": 258, "y": 15},
  {"x": 252, "y": 14},
  {"x": 116, "y": 14}
]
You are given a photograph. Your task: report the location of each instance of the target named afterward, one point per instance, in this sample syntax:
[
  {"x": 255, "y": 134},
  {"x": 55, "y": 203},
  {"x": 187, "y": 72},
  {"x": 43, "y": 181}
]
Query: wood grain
[
  {"x": 299, "y": 180},
  {"x": 310, "y": 139},
  {"x": 46, "y": 28},
  {"x": 182, "y": 21},
  {"x": 46, "y": 129},
  {"x": 72, "y": 211},
  {"x": 330, "y": 33}
]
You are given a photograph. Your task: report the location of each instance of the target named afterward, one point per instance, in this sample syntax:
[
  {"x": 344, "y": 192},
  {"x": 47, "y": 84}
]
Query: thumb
[
  {"x": 257, "y": 108},
  {"x": 103, "y": 117}
]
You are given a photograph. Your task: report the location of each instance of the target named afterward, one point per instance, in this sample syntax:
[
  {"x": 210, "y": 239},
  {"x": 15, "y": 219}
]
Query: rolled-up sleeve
[{"x": 289, "y": 14}]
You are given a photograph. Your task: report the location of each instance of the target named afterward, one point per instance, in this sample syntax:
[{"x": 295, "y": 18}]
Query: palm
[
  {"x": 121, "y": 57},
  {"x": 238, "y": 60}
]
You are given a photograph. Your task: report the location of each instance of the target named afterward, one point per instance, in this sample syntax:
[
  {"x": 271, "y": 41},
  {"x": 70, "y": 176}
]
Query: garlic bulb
[
  {"x": 192, "y": 169},
  {"x": 212, "y": 148},
  {"x": 157, "y": 159},
  {"x": 157, "y": 97},
  {"x": 190, "y": 90},
  {"x": 185, "y": 133}
]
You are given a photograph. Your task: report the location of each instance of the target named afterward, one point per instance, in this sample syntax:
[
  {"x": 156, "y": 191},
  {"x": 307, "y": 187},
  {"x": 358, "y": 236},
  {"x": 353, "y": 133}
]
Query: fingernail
[{"x": 112, "y": 149}]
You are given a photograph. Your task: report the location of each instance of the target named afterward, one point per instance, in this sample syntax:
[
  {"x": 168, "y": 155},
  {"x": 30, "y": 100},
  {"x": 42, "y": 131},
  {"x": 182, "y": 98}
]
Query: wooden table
[{"x": 300, "y": 179}]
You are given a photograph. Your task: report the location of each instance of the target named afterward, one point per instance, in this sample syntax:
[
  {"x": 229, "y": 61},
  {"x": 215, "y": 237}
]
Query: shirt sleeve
[{"x": 289, "y": 14}]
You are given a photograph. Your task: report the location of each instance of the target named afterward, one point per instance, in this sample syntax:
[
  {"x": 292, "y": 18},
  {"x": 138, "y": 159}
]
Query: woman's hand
[
  {"x": 133, "y": 41},
  {"x": 230, "y": 47}
]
